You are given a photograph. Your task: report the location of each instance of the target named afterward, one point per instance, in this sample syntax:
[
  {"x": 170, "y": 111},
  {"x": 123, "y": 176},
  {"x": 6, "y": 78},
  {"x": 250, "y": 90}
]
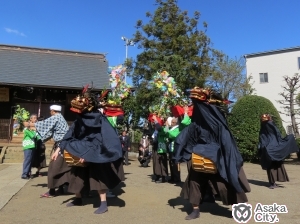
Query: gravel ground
[{"x": 141, "y": 201}]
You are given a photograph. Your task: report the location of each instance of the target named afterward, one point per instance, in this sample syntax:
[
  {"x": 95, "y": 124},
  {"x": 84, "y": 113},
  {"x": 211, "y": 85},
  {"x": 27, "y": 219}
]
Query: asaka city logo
[{"x": 242, "y": 212}]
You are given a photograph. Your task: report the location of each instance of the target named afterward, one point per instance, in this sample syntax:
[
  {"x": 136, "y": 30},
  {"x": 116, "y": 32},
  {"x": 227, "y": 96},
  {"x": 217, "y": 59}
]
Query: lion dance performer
[
  {"x": 211, "y": 153},
  {"x": 273, "y": 149},
  {"x": 90, "y": 146}
]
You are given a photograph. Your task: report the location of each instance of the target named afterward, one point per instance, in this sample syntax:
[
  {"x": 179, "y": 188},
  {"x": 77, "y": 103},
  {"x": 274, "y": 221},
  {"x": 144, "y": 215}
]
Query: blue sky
[{"x": 236, "y": 27}]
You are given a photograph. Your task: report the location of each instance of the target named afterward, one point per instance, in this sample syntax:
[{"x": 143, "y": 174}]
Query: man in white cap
[
  {"x": 173, "y": 129},
  {"x": 54, "y": 127}
]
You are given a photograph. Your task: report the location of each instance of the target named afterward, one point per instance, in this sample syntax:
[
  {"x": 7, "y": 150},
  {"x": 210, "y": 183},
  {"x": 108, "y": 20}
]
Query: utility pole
[{"x": 128, "y": 42}]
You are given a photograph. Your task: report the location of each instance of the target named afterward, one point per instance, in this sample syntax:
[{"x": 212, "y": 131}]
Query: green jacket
[
  {"x": 162, "y": 140},
  {"x": 175, "y": 131},
  {"x": 29, "y": 140}
]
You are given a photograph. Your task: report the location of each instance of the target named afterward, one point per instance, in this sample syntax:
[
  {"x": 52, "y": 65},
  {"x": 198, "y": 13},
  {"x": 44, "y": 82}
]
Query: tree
[
  {"x": 137, "y": 105},
  {"x": 244, "y": 122},
  {"x": 290, "y": 89},
  {"x": 127, "y": 106},
  {"x": 170, "y": 41},
  {"x": 228, "y": 78}
]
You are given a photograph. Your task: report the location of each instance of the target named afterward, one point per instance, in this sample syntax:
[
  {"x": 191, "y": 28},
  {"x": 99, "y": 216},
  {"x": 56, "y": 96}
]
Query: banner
[{"x": 4, "y": 94}]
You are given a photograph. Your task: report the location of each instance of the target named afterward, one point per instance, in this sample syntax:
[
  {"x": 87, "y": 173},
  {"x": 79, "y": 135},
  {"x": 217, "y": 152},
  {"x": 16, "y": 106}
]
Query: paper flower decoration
[
  {"x": 171, "y": 93},
  {"x": 20, "y": 116},
  {"x": 116, "y": 75},
  {"x": 120, "y": 90},
  {"x": 159, "y": 110}
]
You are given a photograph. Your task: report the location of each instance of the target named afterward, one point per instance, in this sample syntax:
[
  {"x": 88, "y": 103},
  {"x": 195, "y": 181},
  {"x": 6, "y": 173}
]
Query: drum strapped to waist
[
  {"x": 203, "y": 165},
  {"x": 73, "y": 160}
]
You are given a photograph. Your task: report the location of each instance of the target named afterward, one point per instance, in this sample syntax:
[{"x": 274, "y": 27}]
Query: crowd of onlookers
[{"x": 144, "y": 147}]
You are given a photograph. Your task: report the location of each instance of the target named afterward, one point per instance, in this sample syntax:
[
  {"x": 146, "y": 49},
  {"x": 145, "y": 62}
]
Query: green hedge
[{"x": 244, "y": 122}]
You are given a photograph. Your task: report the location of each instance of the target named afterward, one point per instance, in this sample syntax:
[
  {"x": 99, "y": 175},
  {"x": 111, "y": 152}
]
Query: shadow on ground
[
  {"x": 92, "y": 197},
  {"x": 212, "y": 208},
  {"x": 216, "y": 209},
  {"x": 187, "y": 207},
  {"x": 259, "y": 183},
  {"x": 40, "y": 185}
]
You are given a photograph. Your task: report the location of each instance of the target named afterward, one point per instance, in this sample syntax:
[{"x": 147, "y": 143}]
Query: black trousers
[
  {"x": 144, "y": 158},
  {"x": 175, "y": 173},
  {"x": 125, "y": 157}
]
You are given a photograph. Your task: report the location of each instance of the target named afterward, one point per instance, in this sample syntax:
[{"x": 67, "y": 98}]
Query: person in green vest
[
  {"x": 160, "y": 158},
  {"x": 29, "y": 145},
  {"x": 173, "y": 129},
  {"x": 117, "y": 165},
  {"x": 113, "y": 120}
]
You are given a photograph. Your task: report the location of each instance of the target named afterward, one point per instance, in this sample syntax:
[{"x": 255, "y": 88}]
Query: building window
[
  {"x": 263, "y": 77},
  {"x": 299, "y": 63}
]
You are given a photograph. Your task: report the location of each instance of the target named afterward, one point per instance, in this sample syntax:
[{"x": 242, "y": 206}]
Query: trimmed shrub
[{"x": 244, "y": 122}]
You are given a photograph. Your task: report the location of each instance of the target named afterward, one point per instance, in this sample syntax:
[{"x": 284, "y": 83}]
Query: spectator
[
  {"x": 125, "y": 142},
  {"x": 29, "y": 145},
  {"x": 39, "y": 157},
  {"x": 144, "y": 152}
]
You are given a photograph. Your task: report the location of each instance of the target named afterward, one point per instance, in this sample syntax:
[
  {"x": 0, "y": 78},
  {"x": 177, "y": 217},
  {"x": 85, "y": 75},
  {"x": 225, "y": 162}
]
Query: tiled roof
[
  {"x": 279, "y": 51},
  {"x": 55, "y": 68}
]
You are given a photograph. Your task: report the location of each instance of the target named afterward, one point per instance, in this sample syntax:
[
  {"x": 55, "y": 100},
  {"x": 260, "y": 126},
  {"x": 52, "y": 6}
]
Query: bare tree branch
[{"x": 292, "y": 84}]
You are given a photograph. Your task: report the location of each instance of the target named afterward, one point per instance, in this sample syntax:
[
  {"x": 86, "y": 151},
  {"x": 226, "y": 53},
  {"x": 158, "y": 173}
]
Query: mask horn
[{"x": 85, "y": 88}]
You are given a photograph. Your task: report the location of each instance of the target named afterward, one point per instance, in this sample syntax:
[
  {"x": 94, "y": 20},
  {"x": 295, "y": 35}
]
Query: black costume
[
  {"x": 39, "y": 157},
  {"x": 209, "y": 136},
  {"x": 92, "y": 138},
  {"x": 273, "y": 149},
  {"x": 85, "y": 140}
]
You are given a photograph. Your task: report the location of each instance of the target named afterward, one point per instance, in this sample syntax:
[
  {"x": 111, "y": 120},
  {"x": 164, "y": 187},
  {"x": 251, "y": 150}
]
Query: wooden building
[{"x": 36, "y": 78}]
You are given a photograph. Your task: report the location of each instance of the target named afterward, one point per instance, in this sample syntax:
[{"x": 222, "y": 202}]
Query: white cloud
[{"x": 8, "y": 30}]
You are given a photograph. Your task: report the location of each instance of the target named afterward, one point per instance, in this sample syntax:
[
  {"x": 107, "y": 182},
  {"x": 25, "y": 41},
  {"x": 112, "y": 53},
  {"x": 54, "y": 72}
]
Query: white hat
[
  {"x": 55, "y": 108},
  {"x": 169, "y": 120}
]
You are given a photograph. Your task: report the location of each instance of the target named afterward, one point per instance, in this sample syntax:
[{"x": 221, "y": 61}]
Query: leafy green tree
[
  {"x": 136, "y": 106},
  {"x": 244, "y": 123},
  {"x": 170, "y": 41},
  {"x": 228, "y": 78}
]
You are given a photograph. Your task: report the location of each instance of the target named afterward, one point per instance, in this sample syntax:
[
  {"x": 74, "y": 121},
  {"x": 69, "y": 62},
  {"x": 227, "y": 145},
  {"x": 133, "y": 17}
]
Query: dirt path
[{"x": 141, "y": 201}]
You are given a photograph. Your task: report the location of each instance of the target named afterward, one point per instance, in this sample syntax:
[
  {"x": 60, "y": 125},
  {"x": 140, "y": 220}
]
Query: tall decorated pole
[
  {"x": 119, "y": 91},
  {"x": 172, "y": 99}
]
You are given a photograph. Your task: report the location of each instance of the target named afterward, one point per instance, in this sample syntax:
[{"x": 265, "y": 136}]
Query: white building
[{"x": 267, "y": 70}]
